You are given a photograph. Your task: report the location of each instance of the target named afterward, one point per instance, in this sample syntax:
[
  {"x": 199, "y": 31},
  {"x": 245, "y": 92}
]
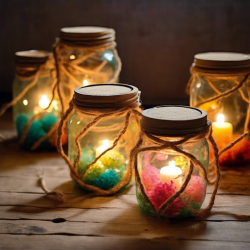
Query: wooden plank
[
  {"x": 235, "y": 204},
  {"x": 132, "y": 215},
  {"x": 62, "y": 242},
  {"x": 29, "y": 183},
  {"x": 210, "y": 230}
]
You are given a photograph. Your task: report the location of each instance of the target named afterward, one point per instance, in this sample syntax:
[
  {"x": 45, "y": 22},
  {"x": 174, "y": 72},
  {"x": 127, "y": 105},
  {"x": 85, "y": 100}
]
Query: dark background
[{"x": 157, "y": 39}]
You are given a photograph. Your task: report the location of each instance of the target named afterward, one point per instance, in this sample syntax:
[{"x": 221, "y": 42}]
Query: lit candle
[
  {"x": 222, "y": 131},
  {"x": 169, "y": 173},
  {"x": 44, "y": 102},
  {"x": 105, "y": 145}
]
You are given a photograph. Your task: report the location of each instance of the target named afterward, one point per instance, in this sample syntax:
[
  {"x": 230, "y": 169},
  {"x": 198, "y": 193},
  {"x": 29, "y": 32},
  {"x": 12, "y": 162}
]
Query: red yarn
[{"x": 161, "y": 193}]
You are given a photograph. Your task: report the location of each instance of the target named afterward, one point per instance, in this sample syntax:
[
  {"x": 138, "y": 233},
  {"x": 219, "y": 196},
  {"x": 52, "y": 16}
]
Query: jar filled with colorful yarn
[
  {"x": 87, "y": 55},
  {"x": 101, "y": 134},
  {"x": 171, "y": 160},
  {"x": 220, "y": 85},
  {"x": 36, "y": 115}
]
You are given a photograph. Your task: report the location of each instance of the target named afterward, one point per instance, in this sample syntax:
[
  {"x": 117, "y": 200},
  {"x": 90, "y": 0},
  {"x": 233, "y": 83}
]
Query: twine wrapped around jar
[
  {"x": 119, "y": 108},
  {"x": 167, "y": 142},
  {"x": 102, "y": 39},
  {"x": 32, "y": 68},
  {"x": 204, "y": 67}
]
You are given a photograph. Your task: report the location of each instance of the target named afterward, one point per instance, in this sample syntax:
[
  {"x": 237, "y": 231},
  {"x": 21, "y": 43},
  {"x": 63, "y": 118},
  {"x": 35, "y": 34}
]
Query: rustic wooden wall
[{"x": 156, "y": 39}]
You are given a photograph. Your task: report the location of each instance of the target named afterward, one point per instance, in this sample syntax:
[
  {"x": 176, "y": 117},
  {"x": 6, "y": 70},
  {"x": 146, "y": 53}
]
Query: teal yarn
[
  {"x": 48, "y": 121},
  {"x": 107, "y": 180},
  {"x": 38, "y": 129},
  {"x": 20, "y": 124},
  {"x": 87, "y": 156}
]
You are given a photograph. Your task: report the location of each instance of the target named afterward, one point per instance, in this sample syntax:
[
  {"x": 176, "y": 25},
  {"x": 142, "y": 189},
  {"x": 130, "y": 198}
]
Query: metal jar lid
[
  {"x": 106, "y": 96},
  {"x": 31, "y": 57},
  {"x": 222, "y": 60},
  {"x": 88, "y": 36},
  {"x": 173, "y": 120}
]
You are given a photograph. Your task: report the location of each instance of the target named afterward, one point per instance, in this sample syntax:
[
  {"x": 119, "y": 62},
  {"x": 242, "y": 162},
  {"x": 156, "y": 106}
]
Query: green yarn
[
  {"x": 145, "y": 207},
  {"x": 93, "y": 173}
]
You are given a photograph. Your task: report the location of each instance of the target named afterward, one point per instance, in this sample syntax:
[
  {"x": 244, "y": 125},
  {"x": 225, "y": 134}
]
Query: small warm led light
[
  {"x": 54, "y": 103},
  {"x": 85, "y": 82},
  {"x": 220, "y": 118},
  {"x": 44, "y": 102},
  {"x": 198, "y": 85},
  {"x": 25, "y": 102},
  {"x": 78, "y": 122},
  {"x": 72, "y": 57}
]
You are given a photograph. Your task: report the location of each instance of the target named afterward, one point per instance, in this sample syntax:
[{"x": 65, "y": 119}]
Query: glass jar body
[
  {"x": 110, "y": 169},
  {"x": 162, "y": 174},
  {"x": 32, "y": 103},
  {"x": 85, "y": 66},
  {"x": 234, "y": 108}
]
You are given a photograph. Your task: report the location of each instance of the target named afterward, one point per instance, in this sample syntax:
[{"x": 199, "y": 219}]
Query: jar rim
[
  {"x": 222, "y": 60},
  {"x": 31, "y": 57},
  {"x": 106, "y": 95},
  {"x": 173, "y": 120}
]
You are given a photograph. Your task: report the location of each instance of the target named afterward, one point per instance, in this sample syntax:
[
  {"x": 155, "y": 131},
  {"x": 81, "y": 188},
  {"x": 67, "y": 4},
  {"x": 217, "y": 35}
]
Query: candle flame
[
  {"x": 44, "y": 102},
  {"x": 220, "y": 118},
  {"x": 85, "y": 82},
  {"x": 172, "y": 163}
]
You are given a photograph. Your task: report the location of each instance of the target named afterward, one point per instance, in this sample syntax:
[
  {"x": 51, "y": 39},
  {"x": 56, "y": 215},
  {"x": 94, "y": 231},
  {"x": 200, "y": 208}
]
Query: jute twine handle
[
  {"x": 131, "y": 109},
  {"x": 165, "y": 143}
]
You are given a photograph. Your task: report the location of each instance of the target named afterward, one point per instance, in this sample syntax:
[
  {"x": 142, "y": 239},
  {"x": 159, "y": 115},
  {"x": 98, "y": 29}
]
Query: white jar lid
[{"x": 222, "y": 60}]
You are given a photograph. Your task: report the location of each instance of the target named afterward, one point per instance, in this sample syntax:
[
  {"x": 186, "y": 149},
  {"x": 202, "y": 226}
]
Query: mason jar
[
  {"x": 161, "y": 171},
  {"x": 220, "y": 85},
  {"x": 87, "y": 55},
  {"x": 32, "y": 92},
  {"x": 109, "y": 104}
]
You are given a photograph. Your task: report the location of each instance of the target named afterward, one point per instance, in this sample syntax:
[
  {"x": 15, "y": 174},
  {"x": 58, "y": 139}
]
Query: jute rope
[
  {"x": 131, "y": 109},
  {"x": 64, "y": 65},
  {"x": 163, "y": 143},
  {"x": 197, "y": 72}
]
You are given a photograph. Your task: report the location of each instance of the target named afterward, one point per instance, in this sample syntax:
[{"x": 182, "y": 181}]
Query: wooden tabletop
[{"x": 31, "y": 220}]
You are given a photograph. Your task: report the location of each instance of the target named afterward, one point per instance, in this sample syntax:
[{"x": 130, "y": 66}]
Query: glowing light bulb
[
  {"x": 44, "y": 102},
  {"x": 85, "y": 82},
  {"x": 220, "y": 118},
  {"x": 25, "y": 102},
  {"x": 72, "y": 57}
]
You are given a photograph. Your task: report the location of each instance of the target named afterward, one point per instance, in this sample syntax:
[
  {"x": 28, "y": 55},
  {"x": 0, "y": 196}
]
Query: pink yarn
[
  {"x": 161, "y": 193},
  {"x": 195, "y": 190},
  {"x": 150, "y": 177}
]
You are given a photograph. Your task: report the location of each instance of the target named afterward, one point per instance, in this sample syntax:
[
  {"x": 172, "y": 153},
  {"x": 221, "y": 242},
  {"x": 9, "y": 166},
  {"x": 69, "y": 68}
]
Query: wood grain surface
[{"x": 31, "y": 220}]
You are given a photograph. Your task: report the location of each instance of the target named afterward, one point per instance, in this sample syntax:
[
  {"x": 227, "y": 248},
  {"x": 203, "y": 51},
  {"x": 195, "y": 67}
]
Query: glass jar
[
  {"x": 109, "y": 104},
  {"x": 220, "y": 85},
  {"x": 162, "y": 171},
  {"x": 32, "y": 92},
  {"x": 86, "y": 56}
]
